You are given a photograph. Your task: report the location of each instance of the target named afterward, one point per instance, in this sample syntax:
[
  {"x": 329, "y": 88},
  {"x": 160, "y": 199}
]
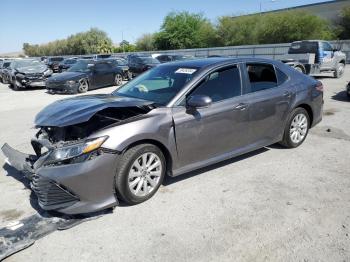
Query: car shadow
[
  {"x": 341, "y": 96},
  {"x": 170, "y": 180},
  {"x": 27, "y": 89}
]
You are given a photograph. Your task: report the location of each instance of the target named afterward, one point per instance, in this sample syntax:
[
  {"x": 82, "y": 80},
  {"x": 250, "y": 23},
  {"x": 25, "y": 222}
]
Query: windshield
[
  {"x": 159, "y": 84},
  {"x": 80, "y": 66},
  {"x": 56, "y": 59},
  {"x": 25, "y": 63},
  {"x": 122, "y": 62},
  {"x": 70, "y": 61},
  {"x": 149, "y": 60}
]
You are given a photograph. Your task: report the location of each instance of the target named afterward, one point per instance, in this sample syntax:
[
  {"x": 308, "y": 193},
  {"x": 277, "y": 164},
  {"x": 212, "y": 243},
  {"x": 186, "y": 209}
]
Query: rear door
[{"x": 270, "y": 95}]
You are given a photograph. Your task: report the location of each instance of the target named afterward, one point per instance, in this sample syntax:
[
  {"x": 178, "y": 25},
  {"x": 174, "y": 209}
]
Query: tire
[
  {"x": 14, "y": 86},
  {"x": 299, "y": 120},
  {"x": 299, "y": 69},
  {"x": 339, "y": 71},
  {"x": 118, "y": 79},
  {"x": 133, "y": 184},
  {"x": 83, "y": 85}
]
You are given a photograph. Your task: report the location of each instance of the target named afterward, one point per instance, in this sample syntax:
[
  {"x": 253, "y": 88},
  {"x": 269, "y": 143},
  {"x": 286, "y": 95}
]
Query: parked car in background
[
  {"x": 26, "y": 73},
  {"x": 314, "y": 57},
  {"x": 175, "y": 118},
  {"x": 53, "y": 63},
  {"x": 5, "y": 72},
  {"x": 85, "y": 75},
  {"x": 102, "y": 56},
  {"x": 66, "y": 63},
  {"x": 164, "y": 58},
  {"x": 123, "y": 65},
  {"x": 140, "y": 64}
]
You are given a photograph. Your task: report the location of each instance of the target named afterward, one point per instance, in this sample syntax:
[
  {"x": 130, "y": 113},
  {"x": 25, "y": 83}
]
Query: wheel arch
[
  {"x": 161, "y": 146},
  {"x": 309, "y": 110}
]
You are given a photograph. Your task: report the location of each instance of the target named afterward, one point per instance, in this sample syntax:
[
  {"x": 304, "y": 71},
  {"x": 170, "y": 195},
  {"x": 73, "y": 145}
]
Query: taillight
[{"x": 319, "y": 86}]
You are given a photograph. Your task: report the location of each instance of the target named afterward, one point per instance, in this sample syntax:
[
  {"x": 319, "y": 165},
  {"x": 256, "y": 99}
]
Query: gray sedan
[{"x": 92, "y": 151}]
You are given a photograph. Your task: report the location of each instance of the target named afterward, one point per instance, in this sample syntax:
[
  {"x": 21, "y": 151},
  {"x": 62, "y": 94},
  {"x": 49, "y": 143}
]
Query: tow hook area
[{"x": 21, "y": 234}]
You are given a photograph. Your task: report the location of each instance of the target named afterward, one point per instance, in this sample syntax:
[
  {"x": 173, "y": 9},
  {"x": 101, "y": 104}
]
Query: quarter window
[
  {"x": 261, "y": 77},
  {"x": 220, "y": 85}
]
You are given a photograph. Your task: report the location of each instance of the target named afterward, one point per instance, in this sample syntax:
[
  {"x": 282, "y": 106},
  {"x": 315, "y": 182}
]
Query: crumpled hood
[
  {"x": 65, "y": 76},
  {"x": 80, "y": 109},
  {"x": 32, "y": 69}
]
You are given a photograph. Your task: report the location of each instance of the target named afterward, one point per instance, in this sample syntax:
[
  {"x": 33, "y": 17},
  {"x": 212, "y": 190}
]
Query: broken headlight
[{"x": 67, "y": 152}]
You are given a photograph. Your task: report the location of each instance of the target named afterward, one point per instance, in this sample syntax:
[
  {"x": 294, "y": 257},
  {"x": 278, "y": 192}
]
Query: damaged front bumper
[{"x": 75, "y": 188}]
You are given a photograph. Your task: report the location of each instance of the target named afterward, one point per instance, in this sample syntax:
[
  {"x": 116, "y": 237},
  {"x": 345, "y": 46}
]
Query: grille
[
  {"x": 34, "y": 76},
  {"x": 51, "y": 195}
]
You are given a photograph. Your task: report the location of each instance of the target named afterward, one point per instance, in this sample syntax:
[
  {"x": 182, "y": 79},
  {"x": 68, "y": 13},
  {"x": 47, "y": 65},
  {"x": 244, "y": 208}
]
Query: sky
[{"x": 42, "y": 21}]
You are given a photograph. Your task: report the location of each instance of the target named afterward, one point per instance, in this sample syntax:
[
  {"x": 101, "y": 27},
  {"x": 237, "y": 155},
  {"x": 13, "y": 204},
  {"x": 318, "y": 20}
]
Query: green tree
[
  {"x": 145, "y": 43},
  {"x": 185, "y": 30},
  {"x": 283, "y": 27},
  {"x": 344, "y": 23},
  {"x": 94, "y": 41}
]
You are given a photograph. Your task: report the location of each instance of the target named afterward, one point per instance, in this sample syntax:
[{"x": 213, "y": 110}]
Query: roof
[{"x": 212, "y": 61}]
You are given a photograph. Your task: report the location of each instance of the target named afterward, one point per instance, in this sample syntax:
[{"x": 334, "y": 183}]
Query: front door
[{"x": 220, "y": 128}]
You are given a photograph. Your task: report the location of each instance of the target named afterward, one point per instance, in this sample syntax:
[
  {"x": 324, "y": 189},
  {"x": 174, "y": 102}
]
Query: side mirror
[{"x": 199, "y": 101}]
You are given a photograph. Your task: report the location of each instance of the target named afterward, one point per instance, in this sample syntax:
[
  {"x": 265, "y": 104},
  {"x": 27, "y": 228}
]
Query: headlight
[
  {"x": 48, "y": 72},
  {"x": 72, "y": 151},
  {"x": 71, "y": 83}
]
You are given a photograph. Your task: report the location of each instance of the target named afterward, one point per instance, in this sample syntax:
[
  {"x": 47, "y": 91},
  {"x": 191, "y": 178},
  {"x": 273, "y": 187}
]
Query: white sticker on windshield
[{"x": 189, "y": 71}]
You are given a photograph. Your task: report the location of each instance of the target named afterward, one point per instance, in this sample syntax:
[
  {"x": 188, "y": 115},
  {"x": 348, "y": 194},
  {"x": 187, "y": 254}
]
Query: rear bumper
[{"x": 70, "y": 188}]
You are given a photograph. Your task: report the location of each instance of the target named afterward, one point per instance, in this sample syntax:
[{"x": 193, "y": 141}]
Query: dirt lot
[{"x": 269, "y": 205}]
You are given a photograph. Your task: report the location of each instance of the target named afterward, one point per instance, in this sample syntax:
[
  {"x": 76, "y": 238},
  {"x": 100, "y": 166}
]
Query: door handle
[
  {"x": 241, "y": 107},
  {"x": 287, "y": 94}
]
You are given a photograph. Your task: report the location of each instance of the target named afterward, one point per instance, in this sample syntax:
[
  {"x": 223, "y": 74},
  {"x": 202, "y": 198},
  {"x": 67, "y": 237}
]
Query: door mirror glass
[{"x": 198, "y": 101}]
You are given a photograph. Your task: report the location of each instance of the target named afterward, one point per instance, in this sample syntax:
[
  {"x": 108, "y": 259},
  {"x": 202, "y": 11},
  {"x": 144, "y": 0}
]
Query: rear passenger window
[
  {"x": 261, "y": 77},
  {"x": 220, "y": 85},
  {"x": 281, "y": 77}
]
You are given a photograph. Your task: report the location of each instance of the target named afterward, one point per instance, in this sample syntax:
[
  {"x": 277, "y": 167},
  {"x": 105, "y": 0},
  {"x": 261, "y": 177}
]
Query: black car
[
  {"x": 348, "y": 90},
  {"x": 24, "y": 73},
  {"x": 169, "y": 58},
  {"x": 66, "y": 63},
  {"x": 123, "y": 65},
  {"x": 3, "y": 69},
  {"x": 140, "y": 64},
  {"x": 85, "y": 75},
  {"x": 53, "y": 63}
]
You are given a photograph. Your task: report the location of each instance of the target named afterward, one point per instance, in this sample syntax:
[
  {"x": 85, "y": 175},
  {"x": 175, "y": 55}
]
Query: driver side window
[{"x": 221, "y": 84}]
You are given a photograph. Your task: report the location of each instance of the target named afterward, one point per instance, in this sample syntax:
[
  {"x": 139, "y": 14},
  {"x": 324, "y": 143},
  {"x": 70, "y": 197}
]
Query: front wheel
[
  {"x": 296, "y": 129},
  {"x": 83, "y": 85},
  {"x": 140, "y": 173},
  {"x": 118, "y": 79}
]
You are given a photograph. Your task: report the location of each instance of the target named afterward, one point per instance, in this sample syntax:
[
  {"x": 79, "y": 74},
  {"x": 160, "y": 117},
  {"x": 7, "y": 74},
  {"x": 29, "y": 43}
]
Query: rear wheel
[
  {"x": 83, "y": 85},
  {"x": 140, "y": 174},
  {"x": 296, "y": 129},
  {"x": 118, "y": 79},
  {"x": 339, "y": 71},
  {"x": 299, "y": 69}
]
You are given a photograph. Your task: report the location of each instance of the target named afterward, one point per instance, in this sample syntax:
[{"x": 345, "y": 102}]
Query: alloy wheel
[
  {"x": 298, "y": 128},
  {"x": 83, "y": 86},
  {"x": 144, "y": 174},
  {"x": 118, "y": 80}
]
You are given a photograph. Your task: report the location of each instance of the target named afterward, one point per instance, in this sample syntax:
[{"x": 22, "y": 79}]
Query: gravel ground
[{"x": 270, "y": 205}]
